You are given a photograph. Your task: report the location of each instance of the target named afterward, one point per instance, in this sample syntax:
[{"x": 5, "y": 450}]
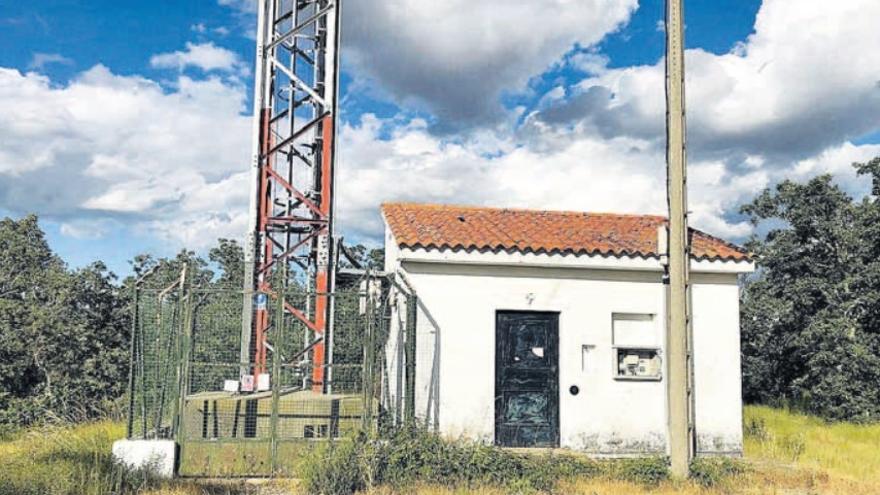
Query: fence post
[
  {"x": 186, "y": 358},
  {"x": 131, "y": 366},
  {"x": 275, "y": 377},
  {"x": 369, "y": 352},
  {"x": 142, "y": 372},
  {"x": 410, "y": 356},
  {"x": 176, "y": 425}
]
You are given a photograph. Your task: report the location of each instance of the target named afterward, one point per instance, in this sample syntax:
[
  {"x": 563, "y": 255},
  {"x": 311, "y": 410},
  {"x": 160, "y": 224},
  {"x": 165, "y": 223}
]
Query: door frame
[{"x": 553, "y": 318}]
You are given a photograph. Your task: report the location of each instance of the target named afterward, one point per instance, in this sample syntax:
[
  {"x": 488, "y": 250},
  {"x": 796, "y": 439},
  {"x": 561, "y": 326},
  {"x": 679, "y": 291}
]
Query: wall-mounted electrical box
[
  {"x": 638, "y": 363},
  {"x": 636, "y": 346}
]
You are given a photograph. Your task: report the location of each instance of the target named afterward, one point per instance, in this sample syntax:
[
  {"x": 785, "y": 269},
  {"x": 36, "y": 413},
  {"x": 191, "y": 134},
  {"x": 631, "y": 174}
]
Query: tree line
[{"x": 811, "y": 314}]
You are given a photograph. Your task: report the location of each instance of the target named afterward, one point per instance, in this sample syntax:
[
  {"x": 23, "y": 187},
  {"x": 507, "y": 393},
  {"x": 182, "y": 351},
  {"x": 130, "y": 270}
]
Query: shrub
[
  {"x": 334, "y": 468},
  {"x": 647, "y": 470},
  {"x": 793, "y": 445},
  {"x": 757, "y": 428},
  {"x": 710, "y": 471},
  {"x": 412, "y": 456}
]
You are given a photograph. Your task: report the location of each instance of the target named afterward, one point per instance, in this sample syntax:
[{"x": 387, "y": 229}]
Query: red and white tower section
[{"x": 292, "y": 194}]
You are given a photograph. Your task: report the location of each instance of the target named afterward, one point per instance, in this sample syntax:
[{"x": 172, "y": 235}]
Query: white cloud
[
  {"x": 247, "y": 6},
  {"x": 555, "y": 169},
  {"x": 107, "y": 150},
  {"x": 87, "y": 228},
  {"x": 202, "y": 28},
  {"x": 590, "y": 63},
  {"x": 205, "y": 56},
  {"x": 804, "y": 81},
  {"x": 838, "y": 161},
  {"x": 39, "y": 61},
  {"x": 715, "y": 189},
  {"x": 660, "y": 27},
  {"x": 454, "y": 57}
]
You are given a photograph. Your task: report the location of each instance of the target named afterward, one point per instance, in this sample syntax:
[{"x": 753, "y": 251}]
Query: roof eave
[{"x": 583, "y": 260}]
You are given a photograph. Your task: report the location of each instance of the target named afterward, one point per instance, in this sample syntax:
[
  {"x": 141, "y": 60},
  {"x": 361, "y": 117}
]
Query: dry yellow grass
[
  {"x": 236, "y": 487},
  {"x": 56, "y": 460},
  {"x": 760, "y": 480},
  {"x": 786, "y": 454},
  {"x": 842, "y": 450}
]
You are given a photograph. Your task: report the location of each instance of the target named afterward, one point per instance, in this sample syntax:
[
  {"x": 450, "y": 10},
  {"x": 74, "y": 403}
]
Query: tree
[
  {"x": 372, "y": 258},
  {"x": 27, "y": 270},
  {"x": 810, "y": 332},
  {"x": 228, "y": 255},
  {"x": 63, "y": 335},
  {"x": 162, "y": 272}
]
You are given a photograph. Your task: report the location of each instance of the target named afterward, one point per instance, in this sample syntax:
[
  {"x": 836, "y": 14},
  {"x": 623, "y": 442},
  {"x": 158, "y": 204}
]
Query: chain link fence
[
  {"x": 153, "y": 383},
  {"x": 194, "y": 377}
]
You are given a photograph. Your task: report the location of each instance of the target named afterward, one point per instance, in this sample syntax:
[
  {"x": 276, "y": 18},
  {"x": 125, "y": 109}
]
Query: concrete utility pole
[{"x": 678, "y": 314}]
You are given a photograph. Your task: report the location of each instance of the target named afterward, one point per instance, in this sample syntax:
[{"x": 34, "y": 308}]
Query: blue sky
[{"x": 126, "y": 124}]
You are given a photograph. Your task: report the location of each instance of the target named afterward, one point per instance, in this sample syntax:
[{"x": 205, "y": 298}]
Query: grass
[
  {"x": 843, "y": 450},
  {"x": 55, "y": 460},
  {"x": 785, "y": 453},
  {"x": 62, "y": 461}
]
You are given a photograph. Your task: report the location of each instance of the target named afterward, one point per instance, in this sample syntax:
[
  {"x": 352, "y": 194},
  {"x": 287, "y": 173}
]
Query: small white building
[{"x": 546, "y": 329}]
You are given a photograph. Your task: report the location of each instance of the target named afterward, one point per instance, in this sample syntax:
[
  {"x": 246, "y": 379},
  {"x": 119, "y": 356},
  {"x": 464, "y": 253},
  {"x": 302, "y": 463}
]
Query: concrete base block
[{"x": 156, "y": 455}]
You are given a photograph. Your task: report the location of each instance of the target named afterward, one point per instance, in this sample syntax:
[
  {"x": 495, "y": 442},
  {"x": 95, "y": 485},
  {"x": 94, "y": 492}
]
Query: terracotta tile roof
[{"x": 453, "y": 227}]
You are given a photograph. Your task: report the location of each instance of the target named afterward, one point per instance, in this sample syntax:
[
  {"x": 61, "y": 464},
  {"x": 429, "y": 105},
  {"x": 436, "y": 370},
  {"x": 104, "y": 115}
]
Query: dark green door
[{"x": 526, "y": 379}]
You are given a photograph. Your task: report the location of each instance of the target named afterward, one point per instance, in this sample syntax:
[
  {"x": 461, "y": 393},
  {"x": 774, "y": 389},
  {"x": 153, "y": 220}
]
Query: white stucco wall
[
  {"x": 717, "y": 369},
  {"x": 455, "y": 360}
]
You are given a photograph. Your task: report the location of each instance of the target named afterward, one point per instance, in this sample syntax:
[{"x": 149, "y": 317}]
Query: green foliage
[
  {"x": 335, "y": 468},
  {"x": 712, "y": 471},
  {"x": 63, "y": 334},
  {"x": 647, "y": 470},
  {"x": 412, "y": 456},
  {"x": 228, "y": 255},
  {"x": 793, "y": 445},
  {"x": 162, "y": 272},
  {"x": 811, "y": 316},
  {"x": 364, "y": 257}
]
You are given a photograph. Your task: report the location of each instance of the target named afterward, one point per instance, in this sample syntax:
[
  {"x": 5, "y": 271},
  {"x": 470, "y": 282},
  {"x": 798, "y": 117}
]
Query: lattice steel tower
[{"x": 291, "y": 207}]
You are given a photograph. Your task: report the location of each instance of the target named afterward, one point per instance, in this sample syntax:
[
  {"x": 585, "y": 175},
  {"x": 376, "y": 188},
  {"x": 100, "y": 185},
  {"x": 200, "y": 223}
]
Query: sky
[{"x": 126, "y": 125}]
